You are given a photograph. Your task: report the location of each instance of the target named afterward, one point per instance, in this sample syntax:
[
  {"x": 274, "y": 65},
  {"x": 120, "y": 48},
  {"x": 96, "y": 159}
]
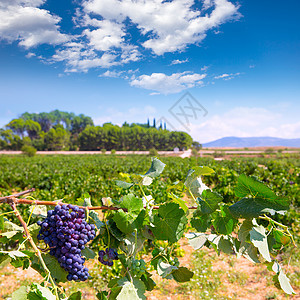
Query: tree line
[{"x": 59, "y": 130}]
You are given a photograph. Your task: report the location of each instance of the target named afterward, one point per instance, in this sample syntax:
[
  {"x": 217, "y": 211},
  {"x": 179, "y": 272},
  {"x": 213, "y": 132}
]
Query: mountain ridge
[{"x": 241, "y": 142}]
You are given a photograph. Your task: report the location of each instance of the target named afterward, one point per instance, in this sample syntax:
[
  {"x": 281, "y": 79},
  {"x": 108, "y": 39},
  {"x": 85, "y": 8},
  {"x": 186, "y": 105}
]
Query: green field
[{"x": 69, "y": 177}]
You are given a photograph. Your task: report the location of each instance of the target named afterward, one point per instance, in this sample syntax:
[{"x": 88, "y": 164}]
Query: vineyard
[{"x": 149, "y": 224}]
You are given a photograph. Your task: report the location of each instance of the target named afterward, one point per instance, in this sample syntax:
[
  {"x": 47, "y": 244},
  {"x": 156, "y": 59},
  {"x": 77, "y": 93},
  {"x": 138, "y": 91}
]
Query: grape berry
[
  {"x": 107, "y": 256},
  {"x": 66, "y": 232},
  {"x": 138, "y": 267}
]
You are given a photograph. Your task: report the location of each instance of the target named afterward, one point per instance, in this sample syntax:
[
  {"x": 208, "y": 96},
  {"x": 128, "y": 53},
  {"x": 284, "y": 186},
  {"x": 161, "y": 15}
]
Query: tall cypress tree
[{"x": 154, "y": 123}]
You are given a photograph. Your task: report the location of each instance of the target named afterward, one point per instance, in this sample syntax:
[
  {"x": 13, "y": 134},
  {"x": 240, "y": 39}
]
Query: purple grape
[
  {"x": 108, "y": 256},
  {"x": 66, "y": 232}
]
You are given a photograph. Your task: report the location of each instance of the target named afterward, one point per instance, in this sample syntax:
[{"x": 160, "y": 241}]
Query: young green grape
[{"x": 138, "y": 267}]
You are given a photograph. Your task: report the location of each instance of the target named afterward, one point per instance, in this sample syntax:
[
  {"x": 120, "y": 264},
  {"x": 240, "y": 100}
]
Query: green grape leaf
[
  {"x": 156, "y": 168},
  {"x": 249, "y": 208},
  {"x": 262, "y": 200},
  {"x": 88, "y": 253},
  {"x": 280, "y": 237},
  {"x": 103, "y": 295},
  {"x": 169, "y": 222},
  {"x": 4, "y": 260},
  {"x": 225, "y": 245},
  {"x": 39, "y": 292},
  {"x": 132, "y": 204},
  {"x": 95, "y": 216},
  {"x": 251, "y": 186},
  {"x": 14, "y": 254},
  {"x": 201, "y": 224},
  {"x": 57, "y": 272},
  {"x": 197, "y": 172},
  {"x": 123, "y": 184},
  {"x": 147, "y": 180},
  {"x": 134, "y": 290},
  {"x": 132, "y": 243},
  {"x": 258, "y": 238},
  {"x": 38, "y": 210},
  {"x": 244, "y": 231},
  {"x": 128, "y": 221},
  {"x": 92, "y": 214},
  {"x": 196, "y": 240},
  {"x": 179, "y": 201},
  {"x": 182, "y": 274},
  {"x": 208, "y": 202},
  {"x": 75, "y": 296},
  {"x": 20, "y": 294},
  {"x": 285, "y": 283},
  {"x": 12, "y": 226},
  {"x": 148, "y": 281},
  {"x": 9, "y": 234},
  {"x": 223, "y": 222},
  {"x": 165, "y": 269},
  {"x": 250, "y": 252}
]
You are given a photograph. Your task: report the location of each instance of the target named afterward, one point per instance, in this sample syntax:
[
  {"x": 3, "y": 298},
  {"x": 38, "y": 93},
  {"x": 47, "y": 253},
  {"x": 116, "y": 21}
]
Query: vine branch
[
  {"x": 37, "y": 251},
  {"x": 14, "y": 199}
]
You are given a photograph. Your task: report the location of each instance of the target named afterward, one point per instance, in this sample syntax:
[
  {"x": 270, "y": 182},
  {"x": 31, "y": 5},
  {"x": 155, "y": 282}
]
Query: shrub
[
  {"x": 269, "y": 150},
  {"x": 28, "y": 150},
  {"x": 153, "y": 152},
  {"x": 103, "y": 151},
  {"x": 113, "y": 151},
  {"x": 194, "y": 152}
]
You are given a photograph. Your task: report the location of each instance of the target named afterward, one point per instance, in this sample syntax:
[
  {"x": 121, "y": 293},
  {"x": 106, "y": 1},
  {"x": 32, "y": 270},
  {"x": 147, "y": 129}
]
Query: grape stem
[
  {"x": 37, "y": 251},
  {"x": 284, "y": 227}
]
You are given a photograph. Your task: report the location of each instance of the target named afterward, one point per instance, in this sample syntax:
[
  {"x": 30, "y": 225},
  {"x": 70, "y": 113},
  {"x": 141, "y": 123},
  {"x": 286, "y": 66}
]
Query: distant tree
[
  {"x": 17, "y": 126},
  {"x": 196, "y": 145},
  {"x": 148, "y": 123},
  {"x": 79, "y": 123},
  {"x": 154, "y": 123},
  {"x": 57, "y": 139},
  {"x": 32, "y": 128}
]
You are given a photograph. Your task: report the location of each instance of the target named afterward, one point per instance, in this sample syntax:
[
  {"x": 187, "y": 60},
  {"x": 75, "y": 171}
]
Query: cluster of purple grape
[
  {"x": 107, "y": 256},
  {"x": 66, "y": 232}
]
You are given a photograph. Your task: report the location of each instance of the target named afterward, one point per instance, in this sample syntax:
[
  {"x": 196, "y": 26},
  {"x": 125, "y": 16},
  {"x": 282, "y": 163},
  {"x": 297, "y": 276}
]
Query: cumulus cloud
[
  {"x": 178, "y": 61},
  {"x": 244, "y": 122},
  {"x": 168, "y": 84},
  {"x": 172, "y": 25},
  {"x": 226, "y": 76},
  {"x": 104, "y": 35},
  {"x": 112, "y": 74},
  {"x": 24, "y": 22}
]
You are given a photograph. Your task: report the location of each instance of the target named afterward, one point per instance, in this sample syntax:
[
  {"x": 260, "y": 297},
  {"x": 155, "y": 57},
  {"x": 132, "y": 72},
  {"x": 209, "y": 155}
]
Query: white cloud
[
  {"x": 168, "y": 84},
  {"x": 109, "y": 35},
  {"x": 104, "y": 35},
  {"x": 226, "y": 76},
  {"x": 113, "y": 74},
  {"x": 172, "y": 24},
  {"x": 30, "y": 54},
  {"x": 244, "y": 122},
  {"x": 178, "y": 62},
  {"x": 23, "y": 21}
]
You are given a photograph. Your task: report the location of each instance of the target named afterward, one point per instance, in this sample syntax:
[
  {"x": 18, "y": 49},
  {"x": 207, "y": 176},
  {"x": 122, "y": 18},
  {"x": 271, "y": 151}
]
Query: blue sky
[{"x": 123, "y": 60}]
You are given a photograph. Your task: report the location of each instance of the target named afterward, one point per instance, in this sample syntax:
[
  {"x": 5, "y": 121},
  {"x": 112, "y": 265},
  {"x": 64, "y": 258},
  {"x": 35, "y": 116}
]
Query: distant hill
[{"x": 238, "y": 142}]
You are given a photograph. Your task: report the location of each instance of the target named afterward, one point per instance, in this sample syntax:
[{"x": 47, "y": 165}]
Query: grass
[{"x": 205, "y": 281}]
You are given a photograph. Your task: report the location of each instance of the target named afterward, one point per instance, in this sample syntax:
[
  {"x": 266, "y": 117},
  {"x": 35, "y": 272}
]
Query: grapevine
[{"x": 66, "y": 236}]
